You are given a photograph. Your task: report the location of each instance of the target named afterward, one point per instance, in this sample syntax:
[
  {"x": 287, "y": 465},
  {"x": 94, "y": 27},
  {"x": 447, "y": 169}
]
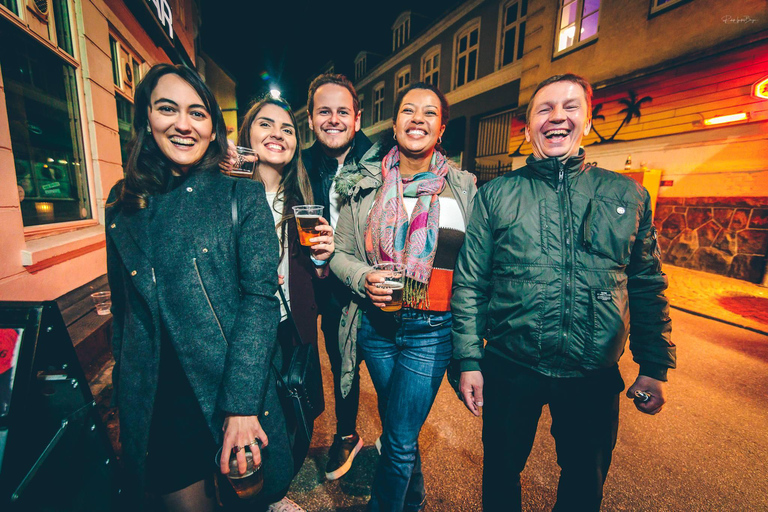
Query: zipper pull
[
  {"x": 153, "y": 276},
  {"x": 560, "y": 176}
]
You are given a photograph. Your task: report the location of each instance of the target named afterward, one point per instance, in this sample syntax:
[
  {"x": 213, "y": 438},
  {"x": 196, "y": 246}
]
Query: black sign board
[{"x": 55, "y": 454}]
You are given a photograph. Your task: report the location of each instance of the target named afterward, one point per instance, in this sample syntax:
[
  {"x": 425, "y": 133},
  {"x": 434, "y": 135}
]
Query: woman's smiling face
[
  {"x": 181, "y": 125},
  {"x": 273, "y": 136},
  {"x": 419, "y": 122}
]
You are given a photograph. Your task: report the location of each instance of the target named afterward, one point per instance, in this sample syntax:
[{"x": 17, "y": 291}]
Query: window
[
  {"x": 126, "y": 73},
  {"x": 401, "y": 30},
  {"x": 578, "y": 22},
  {"x": 493, "y": 134},
  {"x": 378, "y": 103},
  {"x": 46, "y": 131},
  {"x": 63, "y": 28},
  {"x": 430, "y": 67},
  {"x": 513, "y": 16},
  {"x": 361, "y": 62},
  {"x": 402, "y": 79},
  {"x": 12, "y": 5},
  {"x": 467, "y": 42},
  {"x": 663, "y": 5},
  {"x": 361, "y": 100}
]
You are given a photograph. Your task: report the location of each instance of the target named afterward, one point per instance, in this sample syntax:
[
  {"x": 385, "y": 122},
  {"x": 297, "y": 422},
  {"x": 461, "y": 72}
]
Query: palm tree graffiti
[
  {"x": 632, "y": 105},
  {"x": 631, "y": 109},
  {"x": 597, "y": 115}
]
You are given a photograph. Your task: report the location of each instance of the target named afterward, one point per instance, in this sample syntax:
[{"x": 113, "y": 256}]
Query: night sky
[{"x": 293, "y": 40}]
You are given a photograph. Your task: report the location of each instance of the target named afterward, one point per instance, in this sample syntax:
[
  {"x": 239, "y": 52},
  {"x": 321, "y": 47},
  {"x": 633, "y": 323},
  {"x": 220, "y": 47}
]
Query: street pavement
[{"x": 707, "y": 450}]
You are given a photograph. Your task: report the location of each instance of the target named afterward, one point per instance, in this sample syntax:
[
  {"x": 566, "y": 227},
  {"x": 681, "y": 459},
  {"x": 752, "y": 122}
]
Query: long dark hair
[
  {"x": 148, "y": 171},
  {"x": 445, "y": 107},
  {"x": 295, "y": 188}
]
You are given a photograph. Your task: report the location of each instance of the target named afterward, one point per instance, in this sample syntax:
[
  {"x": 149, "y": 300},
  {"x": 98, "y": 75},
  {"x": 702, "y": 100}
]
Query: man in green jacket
[{"x": 559, "y": 266}]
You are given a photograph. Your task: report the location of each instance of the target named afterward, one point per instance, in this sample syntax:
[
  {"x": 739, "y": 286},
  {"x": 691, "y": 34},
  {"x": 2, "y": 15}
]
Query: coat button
[
  {"x": 205, "y": 249},
  {"x": 112, "y": 226},
  {"x": 133, "y": 272},
  {"x": 266, "y": 413},
  {"x": 189, "y": 189}
]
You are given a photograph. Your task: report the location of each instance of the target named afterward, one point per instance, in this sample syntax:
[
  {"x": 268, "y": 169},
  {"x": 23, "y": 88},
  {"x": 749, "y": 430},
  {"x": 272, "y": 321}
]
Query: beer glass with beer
[
  {"x": 393, "y": 274},
  {"x": 307, "y": 219},
  {"x": 250, "y": 483}
]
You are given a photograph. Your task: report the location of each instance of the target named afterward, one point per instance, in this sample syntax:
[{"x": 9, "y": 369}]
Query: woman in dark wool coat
[{"x": 195, "y": 312}]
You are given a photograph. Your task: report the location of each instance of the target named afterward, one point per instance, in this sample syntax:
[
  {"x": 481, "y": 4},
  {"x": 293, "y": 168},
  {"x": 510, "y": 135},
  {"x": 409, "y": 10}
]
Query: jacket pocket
[
  {"x": 208, "y": 300},
  {"x": 516, "y": 318},
  {"x": 610, "y": 228},
  {"x": 609, "y": 326}
]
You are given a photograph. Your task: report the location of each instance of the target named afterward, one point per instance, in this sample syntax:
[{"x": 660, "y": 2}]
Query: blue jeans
[{"x": 406, "y": 354}]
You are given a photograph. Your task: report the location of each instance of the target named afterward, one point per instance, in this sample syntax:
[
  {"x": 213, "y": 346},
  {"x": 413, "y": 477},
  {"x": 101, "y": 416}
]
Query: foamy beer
[
  {"x": 307, "y": 220},
  {"x": 393, "y": 279}
]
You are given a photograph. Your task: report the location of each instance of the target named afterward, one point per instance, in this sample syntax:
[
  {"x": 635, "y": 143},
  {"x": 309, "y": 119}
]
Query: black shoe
[{"x": 341, "y": 455}]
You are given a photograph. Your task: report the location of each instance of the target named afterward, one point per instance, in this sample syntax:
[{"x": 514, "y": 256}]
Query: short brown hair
[
  {"x": 330, "y": 78},
  {"x": 567, "y": 77}
]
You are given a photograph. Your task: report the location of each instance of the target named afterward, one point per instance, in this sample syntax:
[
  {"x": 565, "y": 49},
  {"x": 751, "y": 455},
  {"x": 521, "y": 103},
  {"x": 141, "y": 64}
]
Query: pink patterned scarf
[{"x": 391, "y": 236}]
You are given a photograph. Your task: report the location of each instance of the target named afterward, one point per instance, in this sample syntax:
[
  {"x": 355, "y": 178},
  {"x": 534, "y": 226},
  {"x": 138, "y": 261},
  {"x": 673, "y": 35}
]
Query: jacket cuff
[
  {"x": 654, "y": 371},
  {"x": 469, "y": 365}
]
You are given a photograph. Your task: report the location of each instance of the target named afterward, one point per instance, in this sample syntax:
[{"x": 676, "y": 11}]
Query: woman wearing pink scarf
[{"x": 408, "y": 205}]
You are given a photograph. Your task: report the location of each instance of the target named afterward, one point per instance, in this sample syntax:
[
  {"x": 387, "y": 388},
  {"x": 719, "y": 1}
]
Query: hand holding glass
[
  {"x": 393, "y": 274},
  {"x": 307, "y": 219}
]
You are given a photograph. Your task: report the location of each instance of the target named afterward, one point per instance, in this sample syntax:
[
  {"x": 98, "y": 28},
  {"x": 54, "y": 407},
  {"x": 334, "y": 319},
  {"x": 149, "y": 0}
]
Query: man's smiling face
[
  {"x": 333, "y": 117},
  {"x": 559, "y": 120}
]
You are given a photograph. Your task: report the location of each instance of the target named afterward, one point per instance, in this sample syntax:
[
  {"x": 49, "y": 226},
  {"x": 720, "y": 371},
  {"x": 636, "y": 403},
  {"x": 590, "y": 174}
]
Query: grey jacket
[
  {"x": 349, "y": 261},
  {"x": 225, "y": 341}
]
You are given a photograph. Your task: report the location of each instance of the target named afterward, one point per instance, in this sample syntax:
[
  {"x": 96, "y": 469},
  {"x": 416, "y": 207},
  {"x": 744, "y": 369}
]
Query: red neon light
[{"x": 760, "y": 90}]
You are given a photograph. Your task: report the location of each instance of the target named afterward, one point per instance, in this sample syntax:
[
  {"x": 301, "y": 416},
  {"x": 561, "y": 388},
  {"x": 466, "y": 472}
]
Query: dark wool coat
[{"x": 223, "y": 326}]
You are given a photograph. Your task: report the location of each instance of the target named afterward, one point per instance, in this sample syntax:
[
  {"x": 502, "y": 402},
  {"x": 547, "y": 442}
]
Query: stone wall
[{"x": 723, "y": 235}]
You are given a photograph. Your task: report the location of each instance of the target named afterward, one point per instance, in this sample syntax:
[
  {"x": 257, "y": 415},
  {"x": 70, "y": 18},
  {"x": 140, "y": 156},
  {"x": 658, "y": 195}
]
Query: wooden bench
[{"x": 91, "y": 333}]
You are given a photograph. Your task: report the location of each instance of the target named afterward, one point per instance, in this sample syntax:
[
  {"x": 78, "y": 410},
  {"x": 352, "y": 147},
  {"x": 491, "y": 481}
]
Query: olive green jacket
[
  {"x": 349, "y": 261},
  {"x": 559, "y": 265}
]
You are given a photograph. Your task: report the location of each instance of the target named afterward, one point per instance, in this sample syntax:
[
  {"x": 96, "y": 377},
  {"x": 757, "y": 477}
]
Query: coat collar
[{"x": 548, "y": 169}]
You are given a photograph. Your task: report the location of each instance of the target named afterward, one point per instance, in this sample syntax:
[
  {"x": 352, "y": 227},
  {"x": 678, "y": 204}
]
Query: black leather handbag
[
  {"x": 300, "y": 381},
  {"x": 300, "y": 388}
]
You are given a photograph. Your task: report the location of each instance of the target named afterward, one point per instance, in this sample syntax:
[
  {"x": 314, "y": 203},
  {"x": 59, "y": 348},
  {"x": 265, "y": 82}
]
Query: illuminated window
[
  {"x": 513, "y": 16},
  {"x": 578, "y": 22},
  {"x": 402, "y": 79},
  {"x": 378, "y": 103},
  {"x": 663, "y": 5},
  {"x": 430, "y": 67},
  {"x": 361, "y": 99},
  {"x": 467, "y": 43},
  {"x": 41, "y": 98}
]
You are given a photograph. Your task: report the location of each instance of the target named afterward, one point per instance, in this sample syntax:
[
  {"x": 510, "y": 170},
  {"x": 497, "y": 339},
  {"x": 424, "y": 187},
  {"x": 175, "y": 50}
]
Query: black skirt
[{"x": 181, "y": 446}]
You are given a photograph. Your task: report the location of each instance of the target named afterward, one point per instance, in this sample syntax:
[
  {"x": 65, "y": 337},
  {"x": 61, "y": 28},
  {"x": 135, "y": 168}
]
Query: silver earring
[
  {"x": 149, "y": 129},
  {"x": 440, "y": 139},
  {"x": 394, "y": 137}
]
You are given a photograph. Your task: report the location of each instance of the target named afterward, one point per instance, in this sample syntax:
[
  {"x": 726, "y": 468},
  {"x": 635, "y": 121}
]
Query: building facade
[
  {"x": 68, "y": 71},
  {"x": 680, "y": 87}
]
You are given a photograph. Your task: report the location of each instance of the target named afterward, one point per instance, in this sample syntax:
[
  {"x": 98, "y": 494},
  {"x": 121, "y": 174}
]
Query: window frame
[
  {"x": 467, "y": 30},
  {"x": 378, "y": 101},
  {"x": 654, "y": 9},
  {"x": 361, "y": 101},
  {"x": 577, "y": 28},
  {"x": 503, "y": 29},
  {"x": 405, "y": 70},
  {"x": 435, "y": 51}
]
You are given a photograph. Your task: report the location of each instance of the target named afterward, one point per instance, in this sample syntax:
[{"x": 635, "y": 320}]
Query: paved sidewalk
[{"x": 729, "y": 300}]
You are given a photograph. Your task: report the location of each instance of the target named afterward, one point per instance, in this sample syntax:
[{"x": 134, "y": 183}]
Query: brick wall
[{"x": 723, "y": 235}]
